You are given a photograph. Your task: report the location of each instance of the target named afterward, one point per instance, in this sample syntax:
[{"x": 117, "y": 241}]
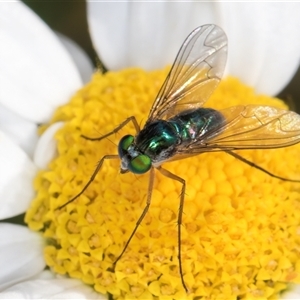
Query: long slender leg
[
  {"x": 137, "y": 127},
  {"x": 150, "y": 188},
  {"x": 91, "y": 179},
  {"x": 132, "y": 119},
  {"x": 250, "y": 163},
  {"x": 179, "y": 219}
]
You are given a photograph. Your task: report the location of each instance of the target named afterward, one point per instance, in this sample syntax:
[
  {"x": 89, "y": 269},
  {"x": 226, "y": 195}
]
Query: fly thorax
[
  {"x": 158, "y": 140},
  {"x": 194, "y": 124}
]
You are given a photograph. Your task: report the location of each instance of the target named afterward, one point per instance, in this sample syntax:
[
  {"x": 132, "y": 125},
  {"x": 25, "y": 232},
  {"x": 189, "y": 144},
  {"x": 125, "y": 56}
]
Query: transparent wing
[
  {"x": 196, "y": 72},
  {"x": 248, "y": 127}
]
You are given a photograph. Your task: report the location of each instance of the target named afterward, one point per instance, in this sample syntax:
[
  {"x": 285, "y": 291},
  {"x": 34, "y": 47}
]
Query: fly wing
[
  {"x": 196, "y": 72},
  {"x": 248, "y": 127}
]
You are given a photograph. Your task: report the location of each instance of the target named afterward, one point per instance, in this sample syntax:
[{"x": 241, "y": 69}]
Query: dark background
[{"x": 69, "y": 18}]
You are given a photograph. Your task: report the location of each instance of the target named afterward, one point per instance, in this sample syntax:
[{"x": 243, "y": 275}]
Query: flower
[
  {"x": 240, "y": 226},
  {"x": 32, "y": 86},
  {"x": 56, "y": 92}
]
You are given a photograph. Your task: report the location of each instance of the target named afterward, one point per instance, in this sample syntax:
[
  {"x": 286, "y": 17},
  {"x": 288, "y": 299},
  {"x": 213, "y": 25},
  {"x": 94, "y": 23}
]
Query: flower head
[
  {"x": 32, "y": 61},
  {"x": 240, "y": 226}
]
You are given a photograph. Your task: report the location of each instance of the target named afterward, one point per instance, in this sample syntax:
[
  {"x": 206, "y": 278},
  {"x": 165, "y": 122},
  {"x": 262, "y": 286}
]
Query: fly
[{"x": 178, "y": 126}]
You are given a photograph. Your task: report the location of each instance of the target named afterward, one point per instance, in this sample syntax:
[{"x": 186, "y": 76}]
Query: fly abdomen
[{"x": 194, "y": 124}]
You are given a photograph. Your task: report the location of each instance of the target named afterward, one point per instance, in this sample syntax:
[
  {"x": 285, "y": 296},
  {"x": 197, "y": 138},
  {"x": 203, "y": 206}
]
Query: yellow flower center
[{"x": 241, "y": 229}]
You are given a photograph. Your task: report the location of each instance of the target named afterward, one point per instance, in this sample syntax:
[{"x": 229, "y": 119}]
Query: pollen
[{"x": 240, "y": 233}]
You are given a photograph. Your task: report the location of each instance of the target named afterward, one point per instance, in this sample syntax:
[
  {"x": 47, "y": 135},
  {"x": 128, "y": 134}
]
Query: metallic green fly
[{"x": 178, "y": 126}]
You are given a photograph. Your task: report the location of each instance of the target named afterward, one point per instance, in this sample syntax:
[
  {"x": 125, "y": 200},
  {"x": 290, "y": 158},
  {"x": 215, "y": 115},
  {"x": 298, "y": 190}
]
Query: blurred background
[{"x": 69, "y": 18}]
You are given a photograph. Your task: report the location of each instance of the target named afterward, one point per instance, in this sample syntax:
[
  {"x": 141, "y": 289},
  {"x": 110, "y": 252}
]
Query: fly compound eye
[
  {"x": 124, "y": 144},
  {"x": 140, "y": 164}
]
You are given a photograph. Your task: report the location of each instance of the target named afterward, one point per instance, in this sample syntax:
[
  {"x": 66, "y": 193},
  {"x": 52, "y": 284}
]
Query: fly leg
[
  {"x": 99, "y": 165},
  {"x": 120, "y": 126},
  {"x": 179, "y": 219},
  {"x": 150, "y": 188},
  {"x": 250, "y": 163}
]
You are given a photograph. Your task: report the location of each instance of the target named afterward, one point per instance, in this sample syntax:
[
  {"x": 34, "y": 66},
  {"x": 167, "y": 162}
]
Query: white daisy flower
[{"x": 38, "y": 74}]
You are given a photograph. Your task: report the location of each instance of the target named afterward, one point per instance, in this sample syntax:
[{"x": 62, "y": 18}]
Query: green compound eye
[
  {"x": 140, "y": 164},
  {"x": 124, "y": 144}
]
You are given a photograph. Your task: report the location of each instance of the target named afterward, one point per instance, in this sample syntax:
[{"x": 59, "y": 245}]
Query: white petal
[
  {"x": 55, "y": 288},
  {"x": 21, "y": 131},
  {"x": 145, "y": 34},
  {"x": 16, "y": 179},
  {"x": 45, "y": 274},
  {"x": 46, "y": 146},
  {"x": 21, "y": 254},
  {"x": 37, "y": 74},
  {"x": 80, "y": 58},
  {"x": 264, "y": 53},
  {"x": 292, "y": 293}
]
